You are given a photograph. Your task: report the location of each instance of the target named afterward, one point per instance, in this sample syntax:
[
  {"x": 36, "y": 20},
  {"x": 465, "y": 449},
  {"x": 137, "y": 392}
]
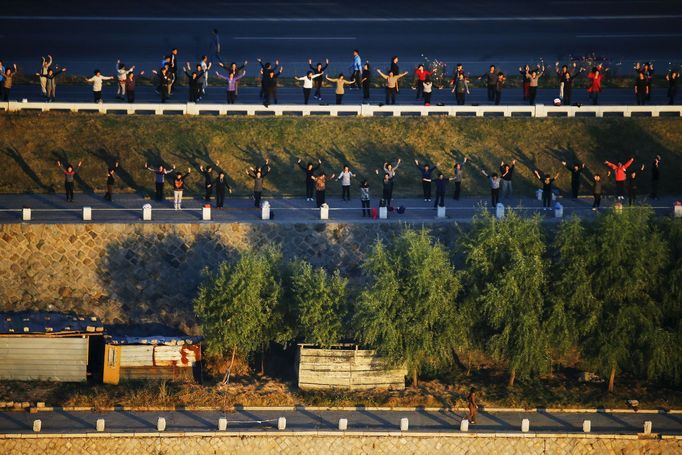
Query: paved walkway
[
  {"x": 305, "y": 420},
  {"x": 127, "y": 208}
]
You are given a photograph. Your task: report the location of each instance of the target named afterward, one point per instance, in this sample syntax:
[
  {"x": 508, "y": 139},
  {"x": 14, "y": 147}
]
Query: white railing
[{"x": 362, "y": 110}]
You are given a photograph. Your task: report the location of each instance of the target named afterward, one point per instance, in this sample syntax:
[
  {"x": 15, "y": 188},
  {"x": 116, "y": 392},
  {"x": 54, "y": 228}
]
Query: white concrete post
[
  {"x": 25, "y": 214},
  {"x": 206, "y": 213},
  {"x": 558, "y": 210},
  {"x": 525, "y": 425},
  {"x": 343, "y": 424},
  {"x": 404, "y": 424},
  {"x": 87, "y": 213},
  {"x": 587, "y": 426},
  {"x": 100, "y": 425},
  {"x": 441, "y": 212},
  {"x": 147, "y": 212},
  {"x": 618, "y": 207},
  {"x": 464, "y": 425},
  {"x": 222, "y": 424},
  {"x": 282, "y": 423},
  {"x": 161, "y": 424},
  {"x": 499, "y": 210},
  {"x": 37, "y": 425},
  {"x": 324, "y": 211},
  {"x": 265, "y": 211},
  {"x": 677, "y": 210},
  {"x": 383, "y": 213},
  {"x": 647, "y": 427}
]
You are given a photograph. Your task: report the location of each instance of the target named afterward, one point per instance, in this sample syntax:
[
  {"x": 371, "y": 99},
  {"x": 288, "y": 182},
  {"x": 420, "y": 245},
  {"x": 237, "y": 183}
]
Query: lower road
[
  {"x": 127, "y": 208},
  {"x": 358, "y": 420}
]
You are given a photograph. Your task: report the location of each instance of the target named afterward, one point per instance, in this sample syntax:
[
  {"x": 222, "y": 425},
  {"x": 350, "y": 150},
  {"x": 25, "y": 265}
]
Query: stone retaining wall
[
  {"x": 149, "y": 273},
  {"x": 335, "y": 443}
]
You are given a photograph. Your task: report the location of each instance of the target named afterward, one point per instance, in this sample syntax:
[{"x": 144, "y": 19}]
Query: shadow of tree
[
  {"x": 109, "y": 159},
  {"x": 14, "y": 154}
]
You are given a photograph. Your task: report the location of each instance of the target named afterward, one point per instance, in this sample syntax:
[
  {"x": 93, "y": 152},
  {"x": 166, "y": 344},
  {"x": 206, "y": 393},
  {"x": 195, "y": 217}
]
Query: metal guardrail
[{"x": 357, "y": 110}]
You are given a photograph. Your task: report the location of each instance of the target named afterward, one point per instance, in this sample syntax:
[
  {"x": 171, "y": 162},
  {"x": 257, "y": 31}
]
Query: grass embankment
[{"x": 31, "y": 143}]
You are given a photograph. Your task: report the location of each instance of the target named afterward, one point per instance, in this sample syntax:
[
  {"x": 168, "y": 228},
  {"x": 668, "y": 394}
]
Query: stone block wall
[{"x": 149, "y": 273}]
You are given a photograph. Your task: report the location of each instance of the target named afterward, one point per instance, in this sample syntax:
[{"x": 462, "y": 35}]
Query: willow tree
[
  {"x": 628, "y": 256},
  {"x": 507, "y": 278},
  {"x": 408, "y": 311},
  {"x": 238, "y": 306},
  {"x": 320, "y": 303}
]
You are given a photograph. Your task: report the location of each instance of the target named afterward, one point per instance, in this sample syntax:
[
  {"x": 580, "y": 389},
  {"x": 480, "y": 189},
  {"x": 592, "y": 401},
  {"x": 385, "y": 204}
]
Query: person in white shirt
[
  {"x": 205, "y": 66},
  {"x": 97, "y": 80},
  {"x": 121, "y": 76},
  {"x": 345, "y": 177},
  {"x": 307, "y": 84},
  {"x": 44, "y": 66}
]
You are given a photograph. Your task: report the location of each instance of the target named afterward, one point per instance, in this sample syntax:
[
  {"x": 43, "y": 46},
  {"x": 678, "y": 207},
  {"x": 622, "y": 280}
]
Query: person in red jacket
[
  {"x": 421, "y": 75},
  {"x": 620, "y": 172},
  {"x": 595, "y": 76}
]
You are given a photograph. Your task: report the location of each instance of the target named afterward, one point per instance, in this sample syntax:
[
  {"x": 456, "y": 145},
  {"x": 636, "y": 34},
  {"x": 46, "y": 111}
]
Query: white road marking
[
  {"x": 630, "y": 35},
  {"x": 278, "y": 38},
  {"x": 637, "y": 17}
]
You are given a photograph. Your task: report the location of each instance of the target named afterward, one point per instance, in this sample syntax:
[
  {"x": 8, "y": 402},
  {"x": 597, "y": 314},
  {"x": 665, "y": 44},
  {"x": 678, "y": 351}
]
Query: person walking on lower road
[
  {"x": 340, "y": 84},
  {"x": 421, "y": 75},
  {"x": 207, "y": 172},
  {"x": 45, "y": 65},
  {"x": 364, "y": 199},
  {"x": 121, "y": 76},
  {"x": 159, "y": 179},
  {"x": 111, "y": 180},
  {"x": 179, "y": 187},
  {"x": 620, "y": 174},
  {"x": 441, "y": 183},
  {"x": 426, "y": 171},
  {"x": 309, "y": 170},
  {"x": 8, "y": 80},
  {"x": 641, "y": 89},
  {"x": 499, "y": 85},
  {"x": 596, "y": 192},
  {"x": 69, "y": 177},
  {"x": 458, "y": 177},
  {"x": 308, "y": 81},
  {"x": 391, "y": 85},
  {"x": 672, "y": 78},
  {"x": 258, "y": 175},
  {"x": 366, "y": 81},
  {"x": 576, "y": 171},
  {"x": 594, "y": 88},
  {"x": 318, "y": 71},
  {"x": 356, "y": 68},
  {"x": 232, "y": 85},
  {"x": 460, "y": 89},
  {"x": 321, "y": 188},
  {"x": 221, "y": 186},
  {"x": 506, "y": 174},
  {"x": 97, "y": 79},
  {"x": 51, "y": 83},
  {"x": 472, "y": 403},
  {"x": 345, "y": 175},
  {"x": 494, "y": 187},
  {"x": 131, "y": 83},
  {"x": 533, "y": 80},
  {"x": 547, "y": 188},
  {"x": 490, "y": 79},
  {"x": 655, "y": 176}
]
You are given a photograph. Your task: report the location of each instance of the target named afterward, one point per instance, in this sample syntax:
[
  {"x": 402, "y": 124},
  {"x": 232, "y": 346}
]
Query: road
[
  {"x": 291, "y": 95},
  {"x": 126, "y": 208},
  {"x": 359, "y": 420},
  {"x": 85, "y": 35}
]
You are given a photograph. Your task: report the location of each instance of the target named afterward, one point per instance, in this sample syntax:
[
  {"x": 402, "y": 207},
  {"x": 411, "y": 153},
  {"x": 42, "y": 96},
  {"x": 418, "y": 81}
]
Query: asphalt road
[
  {"x": 86, "y": 35},
  {"x": 291, "y": 95},
  {"x": 127, "y": 208},
  {"x": 360, "y": 420}
]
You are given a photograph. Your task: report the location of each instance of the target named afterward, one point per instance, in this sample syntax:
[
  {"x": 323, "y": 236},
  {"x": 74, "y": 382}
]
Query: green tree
[
  {"x": 506, "y": 278},
  {"x": 239, "y": 306},
  {"x": 408, "y": 311},
  {"x": 320, "y": 303},
  {"x": 628, "y": 259}
]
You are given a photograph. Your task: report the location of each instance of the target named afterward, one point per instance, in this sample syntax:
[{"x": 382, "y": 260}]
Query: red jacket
[
  {"x": 595, "y": 84},
  {"x": 421, "y": 74},
  {"x": 620, "y": 170}
]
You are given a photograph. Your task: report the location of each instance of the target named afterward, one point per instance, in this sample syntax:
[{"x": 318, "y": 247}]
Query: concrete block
[
  {"x": 282, "y": 423},
  {"x": 404, "y": 424},
  {"x": 558, "y": 210},
  {"x": 324, "y": 212},
  {"x": 587, "y": 426},
  {"x": 677, "y": 210},
  {"x": 464, "y": 425},
  {"x": 383, "y": 213},
  {"x": 222, "y": 424},
  {"x": 440, "y": 212},
  {"x": 647, "y": 427},
  {"x": 101, "y": 425},
  {"x": 147, "y": 212},
  {"x": 161, "y": 424},
  {"x": 499, "y": 210},
  {"x": 87, "y": 213},
  {"x": 343, "y": 424},
  {"x": 265, "y": 211},
  {"x": 25, "y": 214},
  {"x": 206, "y": 213},
  {"x": 525, "y": 425},
  {"x": 37, "y": 426}
]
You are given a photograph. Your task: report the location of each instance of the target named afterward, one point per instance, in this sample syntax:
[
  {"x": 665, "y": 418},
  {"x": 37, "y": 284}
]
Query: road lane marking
[
  {"x": 630, "y": 35},
  {"x": 278, "y": 38}
]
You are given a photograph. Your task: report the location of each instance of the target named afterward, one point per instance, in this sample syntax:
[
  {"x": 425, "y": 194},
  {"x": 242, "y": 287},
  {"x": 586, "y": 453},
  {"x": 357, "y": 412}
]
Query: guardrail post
[
  {"x": 558, "y": 210},
  {"x": 343, "y": 424},
  {"x": 25, "y": 214},
  {"x": 222, "y": 424},
  {"x": 540, "y": 111},
  {"x": 464, "y": 425},
  {"x": 282, "y": 423},
  {"x": 87, "y": 213},
  {"x": 206, "y": 212},
  {"x": 404, "y": 424},
  {"x": 677, "y": 209},
  {"x": 191, "y": 109},
  {"x": 440, "y": 211},
  {"x": 499, "y": 210},
  {"x": 161, "y": 424},
  {"x": 147, "y": 212},
  {"x": 587, "y": 426},
  {"x": 525, "y": 425},
  {"x": 265, "y": 211},
  {"x": 100, "y": 425},
  {"x": 647, "y": 427},
  {"x": 324, "y": 212},
  {"x": 37, "y": 425}
]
